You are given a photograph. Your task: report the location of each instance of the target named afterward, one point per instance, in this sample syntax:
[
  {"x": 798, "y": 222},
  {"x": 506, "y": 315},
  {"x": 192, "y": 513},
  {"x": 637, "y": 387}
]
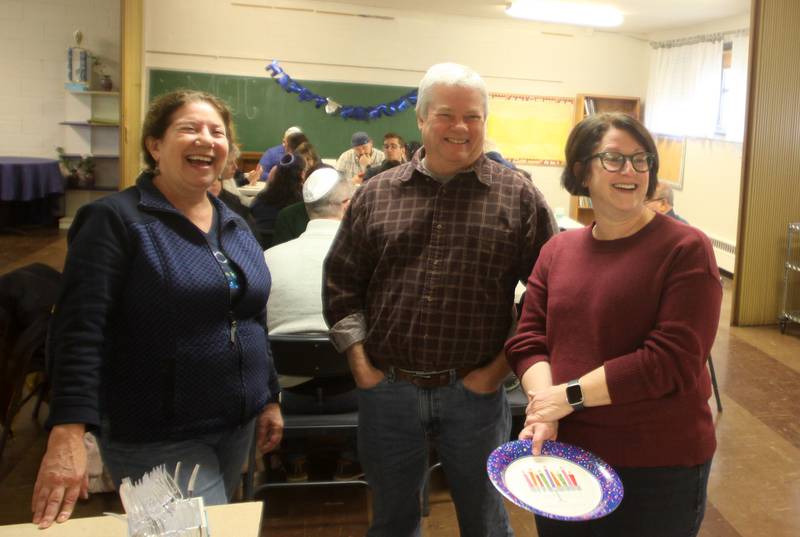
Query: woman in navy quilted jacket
[{"x": 158, "y": 340}]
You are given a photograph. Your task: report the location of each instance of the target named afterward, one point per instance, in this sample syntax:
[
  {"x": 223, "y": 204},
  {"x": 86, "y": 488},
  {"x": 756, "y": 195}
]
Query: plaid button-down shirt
[{"x": 424, "y": 272}]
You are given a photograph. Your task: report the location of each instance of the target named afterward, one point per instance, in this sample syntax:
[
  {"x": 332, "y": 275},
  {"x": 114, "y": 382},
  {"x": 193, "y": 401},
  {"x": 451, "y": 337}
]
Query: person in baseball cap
[{"x": 354, "y": 162}]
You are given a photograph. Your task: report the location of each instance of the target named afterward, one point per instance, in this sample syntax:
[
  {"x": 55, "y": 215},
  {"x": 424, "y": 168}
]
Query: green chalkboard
[{"x": 262, "y": 110}]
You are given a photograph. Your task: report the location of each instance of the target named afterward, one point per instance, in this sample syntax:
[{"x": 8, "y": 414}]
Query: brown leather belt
[{"x": 433, "y": 379}]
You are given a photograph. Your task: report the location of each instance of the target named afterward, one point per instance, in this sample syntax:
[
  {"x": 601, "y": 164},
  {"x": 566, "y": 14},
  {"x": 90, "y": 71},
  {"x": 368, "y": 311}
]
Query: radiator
[{"x": 725, "y": 253}]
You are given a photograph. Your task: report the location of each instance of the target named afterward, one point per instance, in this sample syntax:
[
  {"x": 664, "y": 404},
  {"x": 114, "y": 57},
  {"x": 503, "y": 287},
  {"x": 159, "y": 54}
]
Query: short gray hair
[
  {"x": 294, "y": 129},
  {"x": 329, "y": 205},
  {"x": 450, "y": 74}
]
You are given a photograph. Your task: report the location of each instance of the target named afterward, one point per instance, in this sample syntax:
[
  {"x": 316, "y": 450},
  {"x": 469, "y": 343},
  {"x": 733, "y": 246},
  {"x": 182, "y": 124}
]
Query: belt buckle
[{"x": 424, "y": 378}]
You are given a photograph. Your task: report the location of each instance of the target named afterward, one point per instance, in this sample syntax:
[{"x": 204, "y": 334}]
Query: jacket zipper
[{"x": 233, "y": 322}]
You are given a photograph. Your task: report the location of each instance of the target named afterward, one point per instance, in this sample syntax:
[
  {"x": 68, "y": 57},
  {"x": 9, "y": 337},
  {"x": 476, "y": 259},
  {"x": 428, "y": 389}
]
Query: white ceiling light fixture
[{"x": 580, "y": 14}]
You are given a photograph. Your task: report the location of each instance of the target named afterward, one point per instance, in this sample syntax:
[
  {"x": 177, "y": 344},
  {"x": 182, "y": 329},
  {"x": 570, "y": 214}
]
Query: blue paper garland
[{"x": 360, "y": 113}]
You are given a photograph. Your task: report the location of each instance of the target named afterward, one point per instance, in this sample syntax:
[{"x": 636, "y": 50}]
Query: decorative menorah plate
[{"x": 565, "y": 482}]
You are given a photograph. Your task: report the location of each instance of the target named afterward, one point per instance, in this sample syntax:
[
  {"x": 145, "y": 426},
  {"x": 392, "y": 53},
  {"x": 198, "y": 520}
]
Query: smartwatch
[{"x": 575, "y": 394}]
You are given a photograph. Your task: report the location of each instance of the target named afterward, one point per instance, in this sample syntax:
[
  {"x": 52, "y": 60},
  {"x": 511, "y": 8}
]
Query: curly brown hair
[{"x": 159, "y": 117}]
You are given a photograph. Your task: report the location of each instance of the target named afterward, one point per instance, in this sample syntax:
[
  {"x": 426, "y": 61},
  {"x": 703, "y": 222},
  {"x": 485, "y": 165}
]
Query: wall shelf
[
  {"x": 91, "y": 127},
  {"x": 89, "y": 124},
  {"x": 98, "y": 93},
  {"x": 95, "y": 155}
]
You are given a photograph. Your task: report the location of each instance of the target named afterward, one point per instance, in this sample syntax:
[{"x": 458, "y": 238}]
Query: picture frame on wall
[{"x": 672, "y": 157}]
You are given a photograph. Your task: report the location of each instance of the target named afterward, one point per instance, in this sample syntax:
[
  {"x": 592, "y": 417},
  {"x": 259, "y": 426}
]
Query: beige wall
[
  {"x": 709, "y": 199},
  {"x": 513, "y": 56},
  {"x": 34, "y": 37}
]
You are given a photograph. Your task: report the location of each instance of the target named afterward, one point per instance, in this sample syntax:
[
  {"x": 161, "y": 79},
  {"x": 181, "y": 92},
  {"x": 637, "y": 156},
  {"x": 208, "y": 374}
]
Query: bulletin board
[
  {"x": 529, "y": 129},
  {"x": 671, "y": 159}
]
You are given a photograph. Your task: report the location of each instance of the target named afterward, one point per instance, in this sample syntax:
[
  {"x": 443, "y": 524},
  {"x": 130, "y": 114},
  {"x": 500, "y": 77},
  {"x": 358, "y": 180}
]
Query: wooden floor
[{"x": 754, "y": 490}]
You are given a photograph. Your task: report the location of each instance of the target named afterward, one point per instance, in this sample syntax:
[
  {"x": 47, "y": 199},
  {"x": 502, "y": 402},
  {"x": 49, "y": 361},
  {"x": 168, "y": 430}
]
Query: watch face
[{"x": 574, "y": 393}]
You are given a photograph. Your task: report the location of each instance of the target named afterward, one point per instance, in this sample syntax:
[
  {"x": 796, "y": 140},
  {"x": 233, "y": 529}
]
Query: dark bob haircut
[
  {"x": 586, "y": 136},
  {"x": 159, "y": 117}
]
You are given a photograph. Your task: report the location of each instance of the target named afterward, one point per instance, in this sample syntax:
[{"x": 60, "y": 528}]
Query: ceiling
[{"x": 641, "y": 16}]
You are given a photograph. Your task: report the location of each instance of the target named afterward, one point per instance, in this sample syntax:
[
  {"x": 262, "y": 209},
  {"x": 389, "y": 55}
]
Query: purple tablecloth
[{"x": 28, "y": 178}]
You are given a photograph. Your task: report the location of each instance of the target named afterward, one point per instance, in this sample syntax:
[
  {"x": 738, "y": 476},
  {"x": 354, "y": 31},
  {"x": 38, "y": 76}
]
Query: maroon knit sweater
[{"x": 645, "y": 307}]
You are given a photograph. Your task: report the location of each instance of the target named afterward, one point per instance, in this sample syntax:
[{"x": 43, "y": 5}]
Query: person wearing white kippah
[
  {"x": 295, "y": 307},
  {"x": 295, "y": 303}
]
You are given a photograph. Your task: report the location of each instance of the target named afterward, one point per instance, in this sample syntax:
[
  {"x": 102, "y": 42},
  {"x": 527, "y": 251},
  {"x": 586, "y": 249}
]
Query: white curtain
[
  {"x": 737, "y": 97},
  {"x": 683, "y": 92}
]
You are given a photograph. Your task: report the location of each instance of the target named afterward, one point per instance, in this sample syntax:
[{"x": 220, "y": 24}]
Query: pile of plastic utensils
[{"x": 156, "y": 506}]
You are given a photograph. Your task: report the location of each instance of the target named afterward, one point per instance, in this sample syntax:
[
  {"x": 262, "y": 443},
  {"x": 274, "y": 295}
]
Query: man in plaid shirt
[{"x": 418, "y": 292}]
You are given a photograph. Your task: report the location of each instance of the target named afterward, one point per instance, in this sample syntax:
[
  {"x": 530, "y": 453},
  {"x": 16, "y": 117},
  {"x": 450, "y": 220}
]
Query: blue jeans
[
  {"x": 667, "y": 501},
  {"x": 220, "y": 456},
  {"x": 397, "y": 421}
]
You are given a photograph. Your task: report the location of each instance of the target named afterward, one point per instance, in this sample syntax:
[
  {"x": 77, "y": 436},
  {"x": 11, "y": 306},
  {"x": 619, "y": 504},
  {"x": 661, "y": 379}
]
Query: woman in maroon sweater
[{"x": 618, "y": 320}]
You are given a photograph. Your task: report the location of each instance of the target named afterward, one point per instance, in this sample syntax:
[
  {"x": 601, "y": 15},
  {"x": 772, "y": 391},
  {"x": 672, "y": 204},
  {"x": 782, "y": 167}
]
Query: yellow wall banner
[{"x": 529, "y": 129}]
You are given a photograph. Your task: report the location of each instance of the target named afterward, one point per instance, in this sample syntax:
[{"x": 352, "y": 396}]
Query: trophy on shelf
[{"x": 77, "y": 65}]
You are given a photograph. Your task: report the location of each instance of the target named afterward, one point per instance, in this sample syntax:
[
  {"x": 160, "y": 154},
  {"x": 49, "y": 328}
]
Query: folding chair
[
  {"x": 15, "y": 367},
  {"x": 714, "y": 383},
  {"x": 27, "y": 295},
  {"x": 307, "y": 356}
]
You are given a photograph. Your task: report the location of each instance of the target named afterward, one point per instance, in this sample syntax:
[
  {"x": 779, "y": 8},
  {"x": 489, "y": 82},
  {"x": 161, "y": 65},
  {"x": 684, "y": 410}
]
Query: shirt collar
[
  {"x": 481, "y": 168},
  {"x": 152, "y": 198},
  {"x": 325, "y": 226}
]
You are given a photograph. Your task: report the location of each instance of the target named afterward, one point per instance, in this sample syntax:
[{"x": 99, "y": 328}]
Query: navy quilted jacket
[{"x": 144, "y": 334}]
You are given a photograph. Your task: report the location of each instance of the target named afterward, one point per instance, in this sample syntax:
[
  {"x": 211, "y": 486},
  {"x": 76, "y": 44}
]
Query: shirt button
[{"x": 438, "y": 226}]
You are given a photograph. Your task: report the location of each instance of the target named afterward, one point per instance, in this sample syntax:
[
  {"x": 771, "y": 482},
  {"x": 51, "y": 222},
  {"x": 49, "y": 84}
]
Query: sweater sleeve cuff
[
  {"x": 349, "y": 331},
  {"x": 520, "y": 366},
  {"x": 64, "y": 411}
]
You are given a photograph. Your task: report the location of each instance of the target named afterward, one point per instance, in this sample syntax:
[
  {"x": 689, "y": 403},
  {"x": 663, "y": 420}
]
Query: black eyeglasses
[{"x": 613, "y": 161}]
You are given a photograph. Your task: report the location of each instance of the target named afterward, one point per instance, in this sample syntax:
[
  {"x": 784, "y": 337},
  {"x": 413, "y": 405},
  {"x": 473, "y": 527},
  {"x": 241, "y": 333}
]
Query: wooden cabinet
[{"x": 580, "y": 207}]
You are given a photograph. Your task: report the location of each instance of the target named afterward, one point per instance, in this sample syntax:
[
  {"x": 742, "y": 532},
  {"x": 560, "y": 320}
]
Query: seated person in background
[
  {"x": 273, "y": 155},
  {"x": 293, "y": 141},
  {"x": 490, "y": 149},
  {"x": 312, "y": 158},
  {"x": 395, "y": 151},
  {"x": 283, "y": 188},
  {"x": 233, "y": 177},
  {"x": 662, "y": 201},
  {"x": 354, "y": 162},
  {"x": 233, "y": 202},
  {"x": 292, "y": 220},
  {"x": 295, "y": 307}
]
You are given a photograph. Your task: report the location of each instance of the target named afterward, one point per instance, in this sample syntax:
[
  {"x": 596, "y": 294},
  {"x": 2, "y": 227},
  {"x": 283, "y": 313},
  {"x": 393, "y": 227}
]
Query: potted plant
[
  {"x": 86, "y": 171},
  {"x": 68, "y": 168},
  {"x": 78, "y": 171}
]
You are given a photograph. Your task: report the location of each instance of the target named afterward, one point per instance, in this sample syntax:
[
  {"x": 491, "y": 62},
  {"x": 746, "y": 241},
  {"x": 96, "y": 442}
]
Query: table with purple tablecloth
[{"x": 31, "y": 191}]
